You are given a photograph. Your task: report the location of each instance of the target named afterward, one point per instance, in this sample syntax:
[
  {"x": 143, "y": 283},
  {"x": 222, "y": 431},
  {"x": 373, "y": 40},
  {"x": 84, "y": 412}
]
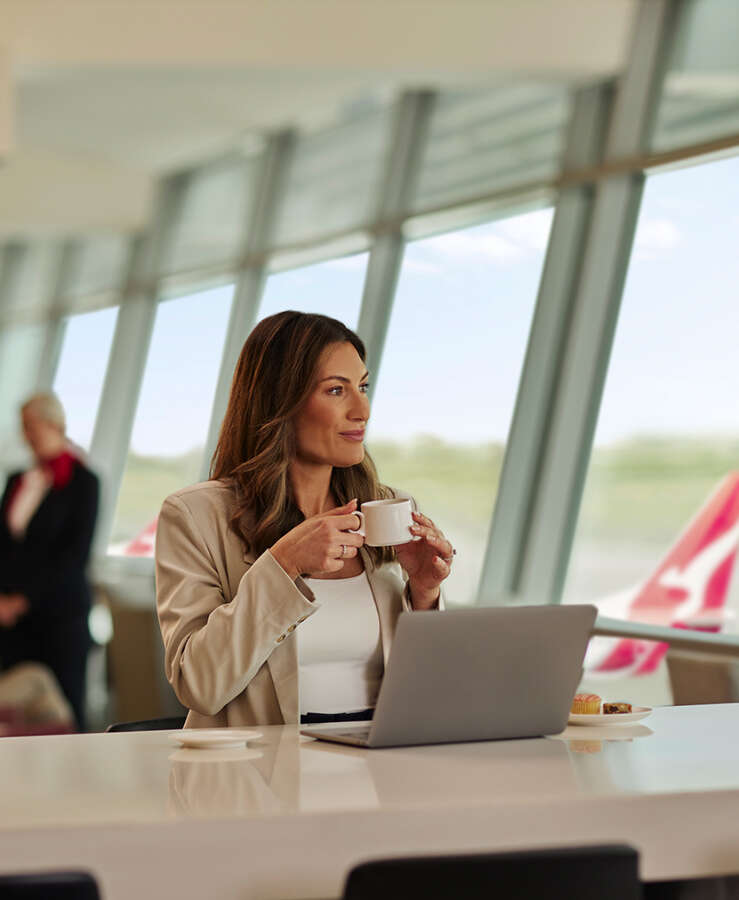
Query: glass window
[
  {"x": 173, "y": 413},
  {"x": 20, "y": 355},
  {"x": 334, "y": 177},
  {"x": 332, "y": 288},
  {"x": 699, "y": 100},
  {"x": 31, "y": 293},
  {"x": 210, "y": 227},
  {"x": 449, "y": 376},
  {"x": 668, "y": 432},
  {"x": 99, "y": 266},
  {"x": 81, "y": 370},
  {"x": 486, "y": 140}
]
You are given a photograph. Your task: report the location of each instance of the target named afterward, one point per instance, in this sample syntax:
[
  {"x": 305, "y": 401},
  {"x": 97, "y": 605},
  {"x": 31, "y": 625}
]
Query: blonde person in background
[
  {"x": 47, "y": 520},
  {"x": 271, "y": 609}
]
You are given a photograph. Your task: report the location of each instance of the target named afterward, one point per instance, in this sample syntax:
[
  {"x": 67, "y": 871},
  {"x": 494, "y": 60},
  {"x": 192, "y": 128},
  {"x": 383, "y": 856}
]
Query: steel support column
[
  {"x": 546, "y": 347},
  {"x": 562, "y": 384},
  {"x": 12, "y": 259},
  {"x": 271, "y": 180},
  {"x": 128, "y": 355},
  {"x": 56, "y": 325},
  {"x": 12, "y": 256},
  {"x": 410, "y": 130}
]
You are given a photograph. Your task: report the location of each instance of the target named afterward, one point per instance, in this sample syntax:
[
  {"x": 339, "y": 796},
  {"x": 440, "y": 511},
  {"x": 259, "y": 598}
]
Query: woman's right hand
[{"x": 320, "y": 544}]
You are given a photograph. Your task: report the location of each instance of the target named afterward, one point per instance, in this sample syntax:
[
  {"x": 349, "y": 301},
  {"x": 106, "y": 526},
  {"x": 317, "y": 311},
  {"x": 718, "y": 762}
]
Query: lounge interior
[
  {"x": 527, "y": 211},
  {"x": 150, "y": 156}
]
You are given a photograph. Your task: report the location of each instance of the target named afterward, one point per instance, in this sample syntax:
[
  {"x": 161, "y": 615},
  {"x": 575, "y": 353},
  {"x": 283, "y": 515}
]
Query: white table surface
[{"x": 288, "y": 816}]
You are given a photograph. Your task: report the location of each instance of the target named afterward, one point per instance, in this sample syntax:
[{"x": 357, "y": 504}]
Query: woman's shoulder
[
  {"x": 202, "y": 510},
  {"x": 204, "y": 496}
]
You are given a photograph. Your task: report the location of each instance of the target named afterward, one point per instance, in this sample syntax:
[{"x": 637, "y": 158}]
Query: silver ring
[{"x": 343, "y": 551}]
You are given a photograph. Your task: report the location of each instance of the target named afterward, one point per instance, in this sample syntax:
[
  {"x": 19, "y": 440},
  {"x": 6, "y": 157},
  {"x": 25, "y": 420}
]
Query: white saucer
[
  {"x": 599, "y": 719},
  {"x": 209, "y": 738}
]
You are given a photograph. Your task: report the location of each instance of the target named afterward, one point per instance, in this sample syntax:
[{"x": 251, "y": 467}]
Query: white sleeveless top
[{"x": 340, "y": 661}]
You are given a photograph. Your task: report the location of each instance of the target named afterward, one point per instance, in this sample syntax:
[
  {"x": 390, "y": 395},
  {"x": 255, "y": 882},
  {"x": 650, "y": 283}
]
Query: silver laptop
[{"x": 475, "y": 675}]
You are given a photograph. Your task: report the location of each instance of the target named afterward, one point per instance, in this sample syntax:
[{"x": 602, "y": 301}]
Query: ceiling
[{"x": 100, "y": 97}]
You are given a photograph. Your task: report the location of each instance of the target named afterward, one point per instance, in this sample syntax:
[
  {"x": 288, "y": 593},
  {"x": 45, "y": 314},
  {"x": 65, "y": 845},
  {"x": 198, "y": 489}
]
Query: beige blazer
[{"x": 228, "y": 619}]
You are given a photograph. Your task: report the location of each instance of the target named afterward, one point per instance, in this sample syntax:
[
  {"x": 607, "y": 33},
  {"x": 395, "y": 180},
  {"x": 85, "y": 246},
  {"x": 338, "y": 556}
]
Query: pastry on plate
[
  {"x": 586, "y": 703},
  {"x": 609, "y": 707}
]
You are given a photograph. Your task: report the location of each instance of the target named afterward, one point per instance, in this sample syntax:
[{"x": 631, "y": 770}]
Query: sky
[
  {"x": 458, "y": 330},
  {"x": 674, "y": 366}
]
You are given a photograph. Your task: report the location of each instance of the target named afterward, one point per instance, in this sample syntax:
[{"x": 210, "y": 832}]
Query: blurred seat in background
[
  {"x": 702, "y": 678},
  {"x": 135, "y": 656},
  {"x": 31, "y": 702}
]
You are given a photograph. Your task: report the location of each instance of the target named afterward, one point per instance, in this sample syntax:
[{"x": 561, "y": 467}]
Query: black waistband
[{"x": 363, "y": 715}]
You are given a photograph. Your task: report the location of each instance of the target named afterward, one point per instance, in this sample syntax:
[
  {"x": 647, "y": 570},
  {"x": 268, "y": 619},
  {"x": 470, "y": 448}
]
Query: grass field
[{"x": 638, "y": 494}]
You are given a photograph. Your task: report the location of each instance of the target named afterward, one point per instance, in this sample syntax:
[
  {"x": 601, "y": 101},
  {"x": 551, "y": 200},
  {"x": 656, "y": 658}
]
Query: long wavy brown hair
[{"x": 274, "y": 377}]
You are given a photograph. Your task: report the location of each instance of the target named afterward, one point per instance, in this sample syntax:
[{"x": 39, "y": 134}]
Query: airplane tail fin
[
  {"x": 689, "y": 587},
  {"x": 143, "y": 543}
]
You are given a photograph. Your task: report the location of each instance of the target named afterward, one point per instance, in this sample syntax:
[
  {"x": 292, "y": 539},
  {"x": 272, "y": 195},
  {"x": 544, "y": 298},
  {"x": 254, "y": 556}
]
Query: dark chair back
[
  {"x": 574, "y": 873},
  {"x": 49, "y": 886},
  {"x": 169, "y": 724}
]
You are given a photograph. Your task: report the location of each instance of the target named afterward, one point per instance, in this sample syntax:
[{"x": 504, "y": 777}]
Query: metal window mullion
[
  {"x": 546, "y": 346},
  {"x": 11, "y": 262},
  {"x": 407, "y": 146},
  {"x": 129, "y": 351},
  {"x": 15, "y": 256},
  {"x": 56, "y": 325},
  {"x": 56, "y": 329},
  {"x": 12, "y": 256},
  {"x": 598, "y": 288},
  {"x": 580, "y": 388},
  {"x": 272, "y": 181},
  {"x": 119, "y": 397}
]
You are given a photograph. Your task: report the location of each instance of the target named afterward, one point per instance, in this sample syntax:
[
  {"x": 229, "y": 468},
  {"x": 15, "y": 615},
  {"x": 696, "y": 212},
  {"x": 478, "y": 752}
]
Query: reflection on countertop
[
  {"x": 139, "y": 776},
  {"x": 297, "y": 774}
]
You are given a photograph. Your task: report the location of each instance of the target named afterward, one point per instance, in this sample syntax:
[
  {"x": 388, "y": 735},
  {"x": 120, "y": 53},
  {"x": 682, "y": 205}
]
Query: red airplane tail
[{"x": 689, "y": 587}]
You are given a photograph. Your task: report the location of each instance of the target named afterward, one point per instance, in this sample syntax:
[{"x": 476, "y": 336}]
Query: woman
[
  {"x": 267, "y": 550},
  {"x": 47, "y": 520}
]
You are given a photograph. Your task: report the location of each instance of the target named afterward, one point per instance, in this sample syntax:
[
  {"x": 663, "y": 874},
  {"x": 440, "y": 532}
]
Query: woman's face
[
  {"x": 329, "y": 429},
  {"x": 45, "y": 439}
]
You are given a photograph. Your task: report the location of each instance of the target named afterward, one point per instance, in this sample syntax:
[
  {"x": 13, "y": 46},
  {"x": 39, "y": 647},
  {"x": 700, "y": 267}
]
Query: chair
[
  {"x": 168, "y": 724},
  {"x": 49, "y": 886},
  {"x": 574, "y": 873},
  {"x": 702, "y": 678}
]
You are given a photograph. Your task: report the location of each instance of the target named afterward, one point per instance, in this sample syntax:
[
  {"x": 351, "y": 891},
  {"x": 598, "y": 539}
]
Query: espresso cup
[{"x": 384, "y": 523}]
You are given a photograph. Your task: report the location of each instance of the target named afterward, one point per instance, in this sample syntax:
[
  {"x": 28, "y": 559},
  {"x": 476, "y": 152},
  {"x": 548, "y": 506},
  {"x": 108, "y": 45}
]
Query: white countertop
[{"x": 669, "y": 785}]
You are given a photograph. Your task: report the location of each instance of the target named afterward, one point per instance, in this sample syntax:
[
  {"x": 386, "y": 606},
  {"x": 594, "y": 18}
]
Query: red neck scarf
[{"x": 61, "y": 469}]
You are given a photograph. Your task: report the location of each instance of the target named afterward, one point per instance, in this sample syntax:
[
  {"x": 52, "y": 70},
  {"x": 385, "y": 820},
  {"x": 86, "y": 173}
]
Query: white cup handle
[{"x": 360, "y": 515}]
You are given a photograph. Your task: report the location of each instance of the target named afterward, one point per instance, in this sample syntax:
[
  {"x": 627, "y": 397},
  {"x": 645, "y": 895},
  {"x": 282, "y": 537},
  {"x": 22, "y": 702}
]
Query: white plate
[
  {"x": 599, "y": 719},
  {"x": 208, "y": 738}
]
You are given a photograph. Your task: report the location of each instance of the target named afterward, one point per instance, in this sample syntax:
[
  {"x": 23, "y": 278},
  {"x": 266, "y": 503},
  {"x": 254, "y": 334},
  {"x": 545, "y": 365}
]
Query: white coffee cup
[{"x": 384, "y": 523}]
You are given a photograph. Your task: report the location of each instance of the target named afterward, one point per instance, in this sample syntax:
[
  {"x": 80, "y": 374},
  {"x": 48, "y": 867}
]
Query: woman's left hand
[{"x": 427, "y": 561}]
